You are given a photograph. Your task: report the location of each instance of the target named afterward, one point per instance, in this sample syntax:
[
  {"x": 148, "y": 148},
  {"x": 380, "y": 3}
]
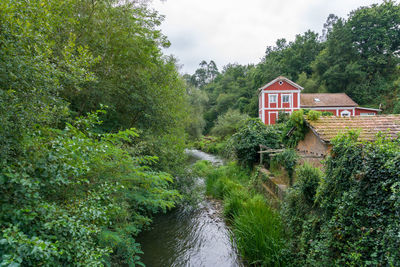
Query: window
[
  {"x": 285, "y": 98},
  {"x": 280, "y": 82},
  {"x": 345, "y": 113},
  {"x": 367, "y": 114},
  {"x": 273, "y": 98}
]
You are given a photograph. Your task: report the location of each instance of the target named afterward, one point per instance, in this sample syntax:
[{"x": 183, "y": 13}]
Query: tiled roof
[
  {"x": 329, "y": 127},
  {"x": 326, "y": 100}
]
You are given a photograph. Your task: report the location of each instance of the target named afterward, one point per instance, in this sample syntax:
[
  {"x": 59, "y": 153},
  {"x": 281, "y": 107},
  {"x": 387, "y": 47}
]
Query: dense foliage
[
  {"x": 349, "y": 215},
  {"x": 75, "y": 191},
  {"x": 246, "y": 142},
  {"x": 229, "y": 123},
  {"x": 75, "y": 197}
]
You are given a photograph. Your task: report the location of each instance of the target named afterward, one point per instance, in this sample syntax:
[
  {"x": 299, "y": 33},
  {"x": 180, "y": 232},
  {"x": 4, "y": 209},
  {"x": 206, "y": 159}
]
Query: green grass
[
  {"x": 256, "y": 227},
  {"x": 258, "y": 233}
]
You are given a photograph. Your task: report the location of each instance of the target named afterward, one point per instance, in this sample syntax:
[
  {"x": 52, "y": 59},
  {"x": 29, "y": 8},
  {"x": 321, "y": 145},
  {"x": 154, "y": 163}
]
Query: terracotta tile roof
[
  {"x": 329, "y": 127},
  {"x": 326, "y": 100}
]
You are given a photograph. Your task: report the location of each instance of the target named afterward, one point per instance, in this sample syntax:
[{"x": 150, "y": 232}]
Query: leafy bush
[
  {"x": 228, "y": 123},
  {"x": 308, "y": 179},
  {"x": 283, "y": 117},
  {"x": 246, "y": 142},
  {"x": 75, "y": 197},
  {"x": 314, "y": 115}
]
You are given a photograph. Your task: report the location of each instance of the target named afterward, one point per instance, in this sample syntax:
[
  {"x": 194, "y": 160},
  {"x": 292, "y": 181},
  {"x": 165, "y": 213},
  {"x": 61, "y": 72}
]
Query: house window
[
  {"x": 367, "y": 114},
  {"x": 345, "y": 113},
  {"x": 285, "y": 98},
  {"x": 280, "y": 82},
  {"x": 273, "y": 98}
]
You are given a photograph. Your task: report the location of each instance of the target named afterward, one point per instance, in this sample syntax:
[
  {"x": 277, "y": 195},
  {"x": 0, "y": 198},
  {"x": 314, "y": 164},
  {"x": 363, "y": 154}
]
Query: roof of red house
[
  {"x": 326, "y": 128},
  {"x": 326, "y": 100}
]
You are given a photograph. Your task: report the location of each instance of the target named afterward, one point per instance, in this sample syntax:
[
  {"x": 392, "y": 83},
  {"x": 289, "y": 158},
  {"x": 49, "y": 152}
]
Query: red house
[{"x": 283, "y": 95}]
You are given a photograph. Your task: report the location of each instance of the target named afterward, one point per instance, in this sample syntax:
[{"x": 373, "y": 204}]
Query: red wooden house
[{"x": 283, "y": 95}]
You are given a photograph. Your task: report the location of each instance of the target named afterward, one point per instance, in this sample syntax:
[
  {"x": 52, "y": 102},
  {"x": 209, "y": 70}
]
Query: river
[{"x": 191, "y": 236}]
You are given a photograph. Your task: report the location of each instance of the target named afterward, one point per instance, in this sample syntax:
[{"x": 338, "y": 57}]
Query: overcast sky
[{"x": 237, "y": 31}]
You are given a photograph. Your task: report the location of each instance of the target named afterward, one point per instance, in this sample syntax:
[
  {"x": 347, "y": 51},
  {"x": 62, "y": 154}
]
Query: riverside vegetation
[
  {"x": 342, "y": 215},
  {"x": 94, "y": 120},
  {"x": 77, "y": 181}
]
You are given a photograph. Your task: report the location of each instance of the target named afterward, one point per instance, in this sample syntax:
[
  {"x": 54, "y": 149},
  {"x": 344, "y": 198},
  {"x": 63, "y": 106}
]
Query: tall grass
[
  {"x": 258, "y": 233},
  {"x": 256, "y": 227}
]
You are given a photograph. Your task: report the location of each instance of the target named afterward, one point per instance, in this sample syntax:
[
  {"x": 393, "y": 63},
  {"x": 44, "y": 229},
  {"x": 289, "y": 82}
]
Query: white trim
[
  {"x": 280, "y": 109},
  {"x": 263, "y": 105},
  {"x": 373, "y": 109},
  {"x": 281, "y": 78},
  {"x": 281, "y": 91},
  {"x": 318, "y": 108},
  {"x": 269, "y": 116},
  {"x": 291, "y": 102},
  {"x": 298, "y": 100}
]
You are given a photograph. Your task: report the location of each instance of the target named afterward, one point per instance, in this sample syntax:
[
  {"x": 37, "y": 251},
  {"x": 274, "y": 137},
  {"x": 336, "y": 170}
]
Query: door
[{"x": 272, "y": 117}]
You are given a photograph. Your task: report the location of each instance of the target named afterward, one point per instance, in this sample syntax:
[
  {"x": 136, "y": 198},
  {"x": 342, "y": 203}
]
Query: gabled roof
[
  {"x": 326, "y": 100},
  {"x": 326, "y": 128},
  {"x": 281, "y": 78}
]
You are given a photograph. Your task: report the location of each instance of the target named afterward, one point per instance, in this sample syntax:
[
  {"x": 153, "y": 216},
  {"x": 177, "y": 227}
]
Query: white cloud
[{"x": 229, "y": 31}]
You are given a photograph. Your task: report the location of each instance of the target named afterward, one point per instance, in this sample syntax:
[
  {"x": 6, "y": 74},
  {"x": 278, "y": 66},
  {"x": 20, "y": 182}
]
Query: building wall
[
  {"x": 312, "y": 145},
  {"x": 365, "y": 112},
  {"x": 268, "y": 111}
]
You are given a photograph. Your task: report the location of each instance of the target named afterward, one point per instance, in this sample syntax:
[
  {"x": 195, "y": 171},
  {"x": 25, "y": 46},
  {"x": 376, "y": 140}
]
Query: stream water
[{"x": 191, "y": 236}]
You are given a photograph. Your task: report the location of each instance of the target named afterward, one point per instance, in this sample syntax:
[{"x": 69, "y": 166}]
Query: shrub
[
  {"x": 314, "y": 115},
  {"x": 245, "y": 143},
  {"x": 308, "y": 179},
  {"x": 228, "y": 123}
]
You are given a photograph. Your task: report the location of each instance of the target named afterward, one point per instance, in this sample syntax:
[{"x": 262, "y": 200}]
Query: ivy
[{"x": 348, "y": 215}]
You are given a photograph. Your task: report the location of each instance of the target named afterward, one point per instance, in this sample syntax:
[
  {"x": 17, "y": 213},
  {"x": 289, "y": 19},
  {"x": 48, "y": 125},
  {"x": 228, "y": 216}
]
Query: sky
[{"x": 233, "y": 31}]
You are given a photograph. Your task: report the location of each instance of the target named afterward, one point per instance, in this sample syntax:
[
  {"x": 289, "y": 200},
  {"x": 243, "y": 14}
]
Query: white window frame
[
  {"x": 269, "y": 99},
  {"x": 283, "y": 96},
  {"x": 345, "y": 113}
]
